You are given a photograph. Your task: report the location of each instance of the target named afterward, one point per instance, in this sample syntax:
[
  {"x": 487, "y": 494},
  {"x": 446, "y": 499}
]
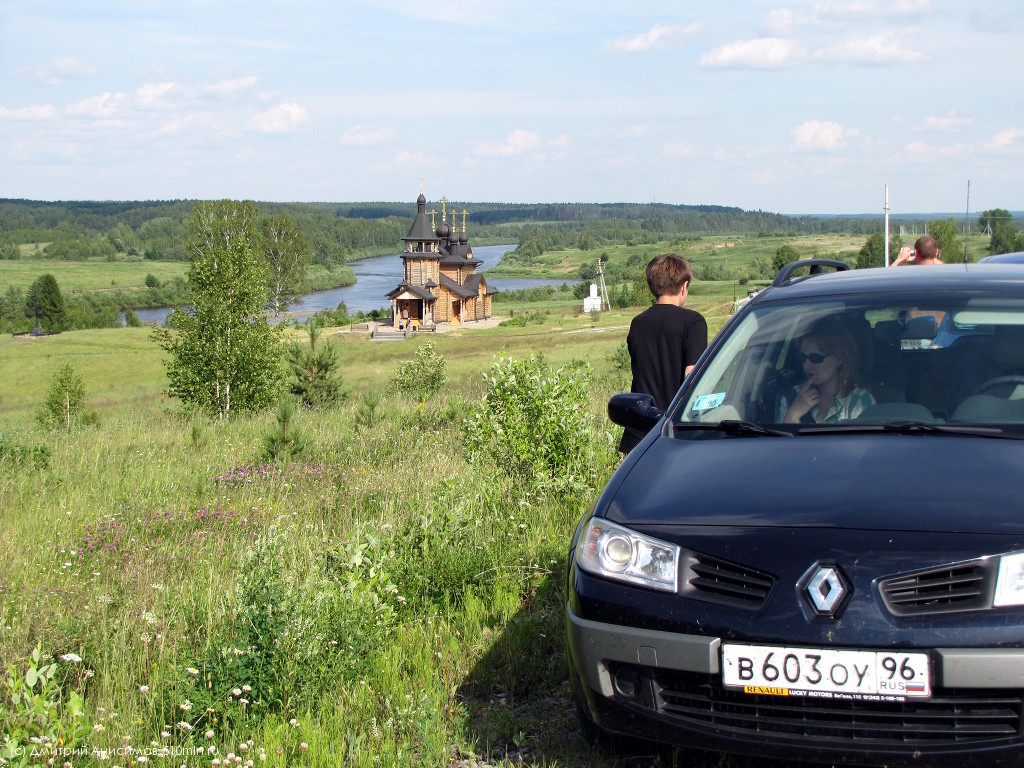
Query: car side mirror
[{"x": 634, "y": 411}]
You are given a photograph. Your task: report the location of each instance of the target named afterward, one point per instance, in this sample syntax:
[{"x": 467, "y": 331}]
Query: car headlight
[
  {"x": 1010, "y": 581},
  {"x": 609, "y": 550}
]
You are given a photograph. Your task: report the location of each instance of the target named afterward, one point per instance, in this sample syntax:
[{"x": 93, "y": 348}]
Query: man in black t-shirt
[{"x": 666, "y": 339}]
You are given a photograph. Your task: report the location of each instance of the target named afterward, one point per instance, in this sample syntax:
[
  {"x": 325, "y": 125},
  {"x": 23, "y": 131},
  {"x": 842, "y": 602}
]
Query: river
[{"x": 375, "y": 278}]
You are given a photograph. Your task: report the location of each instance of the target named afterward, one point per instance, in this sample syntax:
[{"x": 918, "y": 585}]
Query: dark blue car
[{"x": 817, "y": 552}]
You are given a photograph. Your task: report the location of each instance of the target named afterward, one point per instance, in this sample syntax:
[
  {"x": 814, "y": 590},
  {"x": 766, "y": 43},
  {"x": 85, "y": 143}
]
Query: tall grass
[
  {"x": 378, "y": 601},
  {"x": 390, "y": 597}
]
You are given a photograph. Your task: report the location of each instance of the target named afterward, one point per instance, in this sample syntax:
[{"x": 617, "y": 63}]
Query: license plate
[{"x": 829, "y": 673}]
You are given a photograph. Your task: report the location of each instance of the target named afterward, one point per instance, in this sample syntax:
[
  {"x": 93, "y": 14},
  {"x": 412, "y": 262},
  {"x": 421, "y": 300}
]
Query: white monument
[{"x": 592, "y": 303}]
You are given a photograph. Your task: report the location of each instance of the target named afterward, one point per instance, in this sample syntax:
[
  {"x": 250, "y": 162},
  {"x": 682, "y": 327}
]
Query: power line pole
[
  {"x": 607, "y": 305},
  {"x": 886, "y": 209}
]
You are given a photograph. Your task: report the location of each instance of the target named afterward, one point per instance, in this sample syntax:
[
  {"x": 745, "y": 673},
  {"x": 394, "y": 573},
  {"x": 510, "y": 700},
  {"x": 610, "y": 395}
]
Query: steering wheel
[{"x": 1014, "y": 379}]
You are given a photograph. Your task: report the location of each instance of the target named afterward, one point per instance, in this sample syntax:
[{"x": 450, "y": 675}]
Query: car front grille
[
  {"x": 717, "y": 580},
  {"x": 965, "y": 586},
  {"x": 952, "y": 717}
]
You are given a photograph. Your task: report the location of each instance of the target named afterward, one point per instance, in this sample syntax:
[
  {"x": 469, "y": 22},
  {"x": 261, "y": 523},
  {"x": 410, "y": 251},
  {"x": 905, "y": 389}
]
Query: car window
[{"x": 807, "y": 364}]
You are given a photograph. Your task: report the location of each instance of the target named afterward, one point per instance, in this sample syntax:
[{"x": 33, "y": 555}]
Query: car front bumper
[{"x": 666, "y": 686}]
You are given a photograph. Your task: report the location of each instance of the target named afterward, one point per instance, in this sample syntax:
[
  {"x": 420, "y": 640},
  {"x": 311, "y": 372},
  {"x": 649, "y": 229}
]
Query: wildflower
[
  {"x": 192, "y": 671},
  {"x": 246, "y": 688},
  {"x": 293, "y": 723},
  {"x": 236, "y": 692},
  {"x": 143, "y": 689},
  {"x": 186, "y": 705},
  {"x": 209, "y": 734},
  {"x": 99, "y": 728},
  {"x": 74, "y": 658},
  {"x": 303, "y": 746},
  {"x": 185, "y": 726}
]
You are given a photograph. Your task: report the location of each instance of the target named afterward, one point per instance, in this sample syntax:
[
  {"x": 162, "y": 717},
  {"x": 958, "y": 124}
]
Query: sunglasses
[{"x": 815, "y": 357}]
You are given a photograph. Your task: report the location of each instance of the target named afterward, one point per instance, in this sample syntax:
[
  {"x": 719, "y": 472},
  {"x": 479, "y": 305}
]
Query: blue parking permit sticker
[{"x": 705, "y": 402}]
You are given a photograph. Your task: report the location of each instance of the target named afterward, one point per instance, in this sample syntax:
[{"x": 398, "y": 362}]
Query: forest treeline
[{"x": 341, "y": 232}]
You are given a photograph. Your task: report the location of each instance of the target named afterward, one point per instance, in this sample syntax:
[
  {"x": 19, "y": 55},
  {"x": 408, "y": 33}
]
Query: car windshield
[{"x": 873, "y": 362}]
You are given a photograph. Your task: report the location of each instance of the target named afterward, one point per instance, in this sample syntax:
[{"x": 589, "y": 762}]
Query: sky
[{"x": 787, "y": 107}]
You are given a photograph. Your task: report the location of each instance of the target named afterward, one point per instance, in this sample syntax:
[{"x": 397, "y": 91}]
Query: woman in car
[{"x": 829, "y": 393}]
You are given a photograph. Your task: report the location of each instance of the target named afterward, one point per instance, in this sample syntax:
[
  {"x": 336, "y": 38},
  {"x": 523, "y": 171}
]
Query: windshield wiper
[
  {"x": 735, "y": 427},
  {"x": 911, "y": 428}
]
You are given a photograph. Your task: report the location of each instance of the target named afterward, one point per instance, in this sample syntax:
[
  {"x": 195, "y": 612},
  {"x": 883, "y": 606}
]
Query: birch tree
[
  {"x": 224, "y": 354},
  {"x": 288, "y": 254}
]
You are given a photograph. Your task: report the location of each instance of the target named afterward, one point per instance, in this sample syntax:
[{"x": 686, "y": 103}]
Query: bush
[
  {"x": 64, "y": 406},
  {"x": 535, "y": 424},
  {"x": 285, "y": 439},
  {"x": 424, "y": 376}
]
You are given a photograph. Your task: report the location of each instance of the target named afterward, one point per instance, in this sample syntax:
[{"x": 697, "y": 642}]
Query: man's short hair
[
  {"x": 926, "y": 248},
  {"x": 668, "y": 273}
]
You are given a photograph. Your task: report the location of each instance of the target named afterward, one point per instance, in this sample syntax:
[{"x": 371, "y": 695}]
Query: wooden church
[{"x": 440, "y": 283}]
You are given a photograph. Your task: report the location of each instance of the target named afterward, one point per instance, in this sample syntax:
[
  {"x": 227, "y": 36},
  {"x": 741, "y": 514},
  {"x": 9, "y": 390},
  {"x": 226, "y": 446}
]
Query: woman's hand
[{"x": 806, "y": 399}]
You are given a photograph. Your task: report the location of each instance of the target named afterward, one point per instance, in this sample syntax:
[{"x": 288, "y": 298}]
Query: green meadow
[
  {"x": 376, "y": 600},
  {"x": 92, "y": 275},
  {"x": 389, "y": 595}
]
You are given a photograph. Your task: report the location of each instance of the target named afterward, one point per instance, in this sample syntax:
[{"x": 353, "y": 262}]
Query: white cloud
[
  {"x": 919, "y": 150},
  {"x": 860, "y": 9},
  {"x": 950, "y": 121},
  {"x": 561, "y": 140},
  {"x": 760, "y": 53},
  {"x": 658, "y": 38},
  {"x": 679, "y": 149},
  {"x": 519, "y": 142},
  {"x": 56, "y": 72},
  {"x": 104, "y": 106},
  {"x": 836, "y": 15},
  {"x": 403, "y": 161},
  {"x": 152, "y": 94},
  {"x": 229, "y": 87},
  {"x": 1007, "y": 141},
  {"x": 884, "y": 48},
  {"x": 38, "y": 112},
  {"x": 783, "y": 21},
  {"x": 284, "y": 118},
  {"x": 820, "y": 135},
  {"x": 358, "y": 136}
]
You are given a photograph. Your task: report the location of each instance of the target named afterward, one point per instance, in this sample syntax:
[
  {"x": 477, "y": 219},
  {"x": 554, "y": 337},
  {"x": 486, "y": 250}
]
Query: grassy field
[
  {"x": 377, "y": 601},
  {"x": 386, "y": 597},
  {"x": 92, "y": 275},
  {"x": 422, "y": 594}
]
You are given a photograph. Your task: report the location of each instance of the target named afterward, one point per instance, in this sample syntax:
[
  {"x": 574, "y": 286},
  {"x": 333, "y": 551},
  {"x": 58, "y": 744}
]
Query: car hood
[{"x": 871, "y": 482}]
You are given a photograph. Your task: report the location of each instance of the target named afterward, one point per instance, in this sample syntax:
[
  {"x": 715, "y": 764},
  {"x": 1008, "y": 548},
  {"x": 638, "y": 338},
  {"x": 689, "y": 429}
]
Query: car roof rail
[{"x": 816, "y": 266}]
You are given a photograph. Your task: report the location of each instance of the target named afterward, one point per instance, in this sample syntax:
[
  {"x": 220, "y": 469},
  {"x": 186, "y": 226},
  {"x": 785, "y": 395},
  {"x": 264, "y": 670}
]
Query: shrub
[
  {"x": 535, "y": 424},
  {"x": 316, "y": 380},
  {"x": 36, "y": 456},
  {"x": 286, "y": 439},
  {"x": 620, "y": 358},
  {"x": 424, "y": 376},
  {"x": 289, "y": 638},
  {"x": 64, "y": 406}
]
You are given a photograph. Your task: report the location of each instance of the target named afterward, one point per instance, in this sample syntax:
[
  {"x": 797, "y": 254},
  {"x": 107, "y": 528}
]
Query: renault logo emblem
[{"x": 825, "y": 588}]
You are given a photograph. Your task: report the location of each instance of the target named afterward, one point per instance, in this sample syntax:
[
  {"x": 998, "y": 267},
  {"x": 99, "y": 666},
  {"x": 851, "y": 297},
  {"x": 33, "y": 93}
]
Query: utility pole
[
  {"x": 967, "y": 220},
  {"x": 886, "y": 209},
  {"x": 605, "y": 304}
]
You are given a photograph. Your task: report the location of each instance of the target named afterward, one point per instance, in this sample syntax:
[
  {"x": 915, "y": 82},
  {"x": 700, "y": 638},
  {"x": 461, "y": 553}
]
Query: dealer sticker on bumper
[{"x": 780, "y": 671}]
